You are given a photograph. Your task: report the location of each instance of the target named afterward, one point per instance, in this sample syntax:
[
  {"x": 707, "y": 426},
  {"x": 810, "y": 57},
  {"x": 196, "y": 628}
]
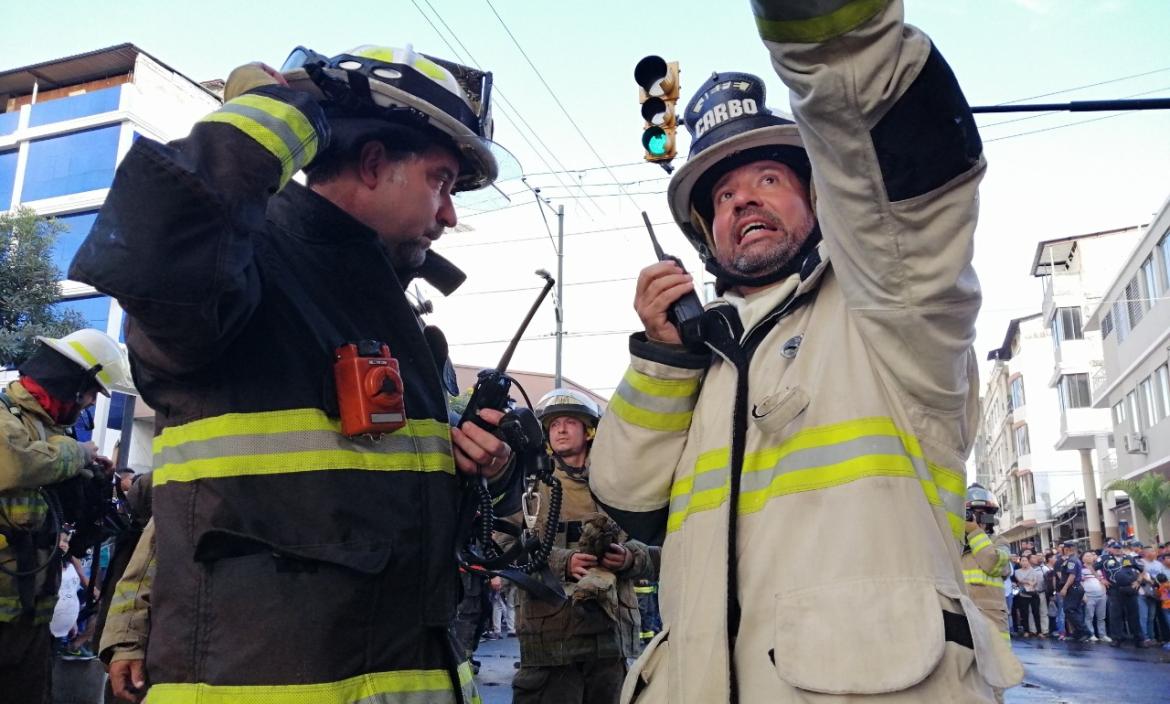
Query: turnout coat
[
  {"x": 292, "y": 561},
  {"x": 808, "y": 473}
]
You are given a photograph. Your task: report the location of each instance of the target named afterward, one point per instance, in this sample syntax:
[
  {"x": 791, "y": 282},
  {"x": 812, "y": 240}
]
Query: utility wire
[
  {"x": 1052, "y": 112},
  {"x": 1087, "y": 85},
  {"x": 545, "y": 336},
  {"x": 500, "y": 93},
  {"x": 557, "y": 100},
  {"x": 533, "y": 238},
  {"x": 537, "y": 288}
]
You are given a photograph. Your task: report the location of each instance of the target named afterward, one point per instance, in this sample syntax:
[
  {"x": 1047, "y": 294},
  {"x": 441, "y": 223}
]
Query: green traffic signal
[{"x": 655, "y": 141}]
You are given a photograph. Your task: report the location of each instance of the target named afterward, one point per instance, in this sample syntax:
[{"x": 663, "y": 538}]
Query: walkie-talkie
[{"x": 685, "y": 313}]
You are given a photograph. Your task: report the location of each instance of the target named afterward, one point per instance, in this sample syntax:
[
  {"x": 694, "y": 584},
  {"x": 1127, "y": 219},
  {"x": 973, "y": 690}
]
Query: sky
[{"x": 567, "y": 108}]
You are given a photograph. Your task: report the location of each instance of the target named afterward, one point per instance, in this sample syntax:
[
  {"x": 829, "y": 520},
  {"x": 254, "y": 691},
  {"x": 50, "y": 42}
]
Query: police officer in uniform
[
  {"x": 37, "y": 411},
  {"x": 1121, "y": 577},
  {"x": 575, "y": 652}
]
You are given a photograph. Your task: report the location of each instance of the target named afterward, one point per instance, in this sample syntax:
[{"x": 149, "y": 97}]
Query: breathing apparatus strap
[{"x": 577, "y": 474}]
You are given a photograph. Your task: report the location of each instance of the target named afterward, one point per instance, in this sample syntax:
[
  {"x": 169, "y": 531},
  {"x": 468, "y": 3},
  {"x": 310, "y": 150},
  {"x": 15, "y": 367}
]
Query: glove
[{"x": 245, "y": 78}]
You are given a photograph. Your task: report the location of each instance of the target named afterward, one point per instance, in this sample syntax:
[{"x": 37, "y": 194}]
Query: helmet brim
[
  {"x": 681, "y": 189},
  {"x": 72, "y": 355},
  {"x": 478, "y": 152}
]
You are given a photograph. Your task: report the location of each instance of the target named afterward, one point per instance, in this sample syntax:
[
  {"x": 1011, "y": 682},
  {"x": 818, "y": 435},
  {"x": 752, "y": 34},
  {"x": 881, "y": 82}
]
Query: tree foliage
[
  {"x": 29, "y": 285},
  {"x": 1150, "y": 495}
]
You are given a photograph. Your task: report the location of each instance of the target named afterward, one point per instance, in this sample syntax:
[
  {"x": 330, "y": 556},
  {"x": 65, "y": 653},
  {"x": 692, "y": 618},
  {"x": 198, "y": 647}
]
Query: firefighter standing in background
[
  {"x": 37, "y": 411},
  {"x": 243, "y": 290},
  {"x": 575, "y": 652},
  {"x": 834, "y": 396},
  {"x": 984, "y": 565}
]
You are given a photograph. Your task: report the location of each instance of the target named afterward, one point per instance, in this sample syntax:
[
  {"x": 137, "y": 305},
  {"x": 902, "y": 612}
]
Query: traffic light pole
[{"x": 560, "y": 289}]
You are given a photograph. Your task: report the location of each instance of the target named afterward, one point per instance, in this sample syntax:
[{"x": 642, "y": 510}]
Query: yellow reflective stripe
[
  {"x": 669, "y": 388},
  {"x": 25, "y": 509},
  {"x": 665, "y": 422},
  {"x": 775, "y": 26},
  {"x": 11, "y": 610},
  {"x": 979, "y": 542},
  {"x": 644, "y": 590},
  {"x": 685, "y": 500},
  {"x": 295, "y": 440},
  {"x": 126, "y": 594},
  {"x": 1002, "y": 563},
  {"x": 825, "y": 477},
  {"x": 979, "y": 577},
  {"x": 92, "y": 361},
  {"x": 399, "y": 687},
  {"x": 229, "y": 424},
  {"x": 1005, "y": 635},
  {"x": 275, "y": 125}
]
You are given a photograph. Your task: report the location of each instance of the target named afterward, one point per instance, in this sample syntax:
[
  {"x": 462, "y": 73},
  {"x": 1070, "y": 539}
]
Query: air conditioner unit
[{"x": 1135, "y": 443}]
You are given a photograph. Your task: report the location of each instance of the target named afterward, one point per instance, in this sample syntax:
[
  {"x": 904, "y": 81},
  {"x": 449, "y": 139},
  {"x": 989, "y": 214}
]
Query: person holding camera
[
  {"x": 253, "y": 303},
  {"x": 984, "y": 565},
  {"x": 57, "y": 382}
]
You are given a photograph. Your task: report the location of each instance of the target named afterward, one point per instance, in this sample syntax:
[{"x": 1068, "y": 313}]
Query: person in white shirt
[
  {"x": 1094, "y": 598},
  {"x": 68, "y": 606}
]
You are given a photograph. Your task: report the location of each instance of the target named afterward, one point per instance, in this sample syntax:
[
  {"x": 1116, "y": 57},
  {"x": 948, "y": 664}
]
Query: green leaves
[
  {"x": 29, "y": 285},
  {"x": 1150, "y": 495}
]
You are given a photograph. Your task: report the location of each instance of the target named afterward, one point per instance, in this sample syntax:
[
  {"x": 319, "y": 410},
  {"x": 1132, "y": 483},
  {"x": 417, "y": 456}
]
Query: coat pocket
[
  {"x": 775, "y": 411},
  {"x": 891, "y": 640},
  {"x": 646, "y": 682}
]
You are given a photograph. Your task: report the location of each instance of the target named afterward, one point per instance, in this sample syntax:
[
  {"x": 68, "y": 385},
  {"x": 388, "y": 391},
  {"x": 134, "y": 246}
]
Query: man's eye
[
  {"x": 725, "y": 196},
  {"x": 769, "y": 180}
]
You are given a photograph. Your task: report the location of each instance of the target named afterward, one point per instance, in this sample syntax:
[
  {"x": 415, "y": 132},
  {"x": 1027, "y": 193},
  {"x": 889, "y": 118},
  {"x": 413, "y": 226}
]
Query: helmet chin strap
[
  {"x": 577, "y": 474},
  {"x": 725, "y": 279}
]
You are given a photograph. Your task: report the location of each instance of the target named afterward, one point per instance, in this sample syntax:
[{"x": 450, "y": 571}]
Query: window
[
  {"x": 1029, "y": 486},
  {"x": 1134, "y": 302},
  {"x": 77, "y": 227},
  {"x": 72, "y": 163},
  {"x": 1121, "y": 320},
  {"x": 1135, "y": 412},
  {"x": 1146, "y": 397},
  {"x": 1107, "y": 324},
  {"x": 1018, "y": 392},
  {"x": 1162, "y": 390},
  {"x": 1119, "y": 414},
  {"x": 7, "y": 177},
  {"x": 1164, "y": 248},
  {"x": 1150, "y": 284},
  {"x": 1023, "y": 447},
  {"x": 1066, "y": 325},
  {"x": 1074, "y": 391},
  {"x": 81, "y": 105}
]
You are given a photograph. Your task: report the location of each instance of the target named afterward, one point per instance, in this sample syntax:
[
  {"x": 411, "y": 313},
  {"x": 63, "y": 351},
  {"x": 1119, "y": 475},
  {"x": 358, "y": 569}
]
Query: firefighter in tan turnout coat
[{"x": 835, "y": 397}]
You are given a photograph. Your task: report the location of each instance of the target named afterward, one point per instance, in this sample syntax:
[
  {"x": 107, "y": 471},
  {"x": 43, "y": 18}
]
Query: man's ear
[{"x": 371, "y": 161}]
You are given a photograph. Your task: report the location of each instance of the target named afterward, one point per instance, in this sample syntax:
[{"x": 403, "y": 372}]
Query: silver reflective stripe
[
  {"x": 278, "y": 126},
  {"x": 656, "y": 404},
  {"x": 297, "y": 441}
]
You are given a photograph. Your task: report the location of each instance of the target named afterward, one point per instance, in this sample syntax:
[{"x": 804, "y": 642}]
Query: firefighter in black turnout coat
[{"x": 297, "y": 557}]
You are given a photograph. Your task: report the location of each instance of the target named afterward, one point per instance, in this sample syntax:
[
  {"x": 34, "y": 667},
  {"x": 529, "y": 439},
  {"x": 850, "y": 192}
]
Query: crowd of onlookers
[{"x": 1116, "y": 595}]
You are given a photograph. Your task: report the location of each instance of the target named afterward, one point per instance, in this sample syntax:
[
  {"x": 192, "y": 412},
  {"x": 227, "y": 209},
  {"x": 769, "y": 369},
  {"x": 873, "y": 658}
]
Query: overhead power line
[
  {"x": 557, "y": 100},
  {"x": 519, "y": 116}
]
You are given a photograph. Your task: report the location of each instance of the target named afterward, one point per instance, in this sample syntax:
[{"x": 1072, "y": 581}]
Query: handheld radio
[{"x": 687, "y": 312}]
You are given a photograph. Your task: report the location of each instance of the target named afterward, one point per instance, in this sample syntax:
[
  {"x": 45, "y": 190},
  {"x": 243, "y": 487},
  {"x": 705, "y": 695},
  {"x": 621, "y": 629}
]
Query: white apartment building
[
  {"x": 1133, "y": 318},
  {"x": 1016, "y": 447},
  {"x": 1075, "y": 272},
  {"x": 65, "y": 124}
]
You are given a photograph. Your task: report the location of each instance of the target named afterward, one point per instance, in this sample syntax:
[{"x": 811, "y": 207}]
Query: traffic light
[{"x": 658, "y": 83}]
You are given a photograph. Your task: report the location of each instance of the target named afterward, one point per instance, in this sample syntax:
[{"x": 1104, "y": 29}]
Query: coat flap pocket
[
  {"x": 777, "y": 410},
  {"x": 890, "y": 639}
]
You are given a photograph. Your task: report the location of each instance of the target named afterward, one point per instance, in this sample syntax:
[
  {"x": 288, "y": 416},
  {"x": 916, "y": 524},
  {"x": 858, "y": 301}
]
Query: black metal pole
[{"x": 1080, "y": 106}]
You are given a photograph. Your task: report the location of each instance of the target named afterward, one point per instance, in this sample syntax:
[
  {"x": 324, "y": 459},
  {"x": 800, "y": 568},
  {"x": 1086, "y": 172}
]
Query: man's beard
[{"x": 760, "y": 261}]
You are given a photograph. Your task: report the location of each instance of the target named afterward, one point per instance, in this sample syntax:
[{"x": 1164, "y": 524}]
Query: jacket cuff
[
  {"x": 670, "y": 355},
  {"x": 788, "y": 22}
]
